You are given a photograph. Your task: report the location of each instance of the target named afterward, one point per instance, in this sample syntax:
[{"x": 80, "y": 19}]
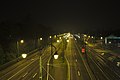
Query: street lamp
[
  {"x": 92, "y": 37},
  {"x": 49, "y": 60},
  {"x": 67, "y": 40},
  {"x": 60, "y": 38},
  {"x": 21, "y": 41},
  {"x": 58, "y": 41},
  {"x": 41, "y": 39},
  {"x": 85, "y": 35},
  {"x": 50, "y": 37},
  {"x": 101, "y": 37},
  {"x": 40, "y": 60},
  {"x": 55, "y": 36},
  {"x": 88, "y": 36},
  {"x": 18, "y": 51},
  {"x": 56, "y": 55},
  {"x": 24, "y": 55}
]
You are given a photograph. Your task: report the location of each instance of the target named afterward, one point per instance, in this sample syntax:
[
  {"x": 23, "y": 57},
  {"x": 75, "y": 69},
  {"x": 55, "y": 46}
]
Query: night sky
[{"x": 73, "y": 16}]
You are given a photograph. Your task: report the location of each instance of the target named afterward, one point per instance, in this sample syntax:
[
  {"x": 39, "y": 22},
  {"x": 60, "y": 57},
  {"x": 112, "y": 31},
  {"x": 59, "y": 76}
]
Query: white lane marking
[
  {"x": 20, "y": 71},
  {"x": 34, "y": 75},
  {"x": 76, "y": 60},
  {"x": 78, "y": 73},
  {"x": 84, "y": 62},
  {"x": 100, "y": 69},
  {"x": 25, "y": 74}
]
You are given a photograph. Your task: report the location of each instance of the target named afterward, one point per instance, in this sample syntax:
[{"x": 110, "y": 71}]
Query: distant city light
[
  {"x": 86, "y": 42},
  {"x": 88, "y": 36},
  {"x": 68, "y": 35},
  {"x": 55, "y": 36},
  {"x": 92, "y": 37},
  {"x": 101, "y": 37},
  {"x": 60, "y": 38},
  {"x": 110, "y": 42},
  {"x": 58, "y": 41},
  {"x": 78, "y": 36},
  {"x": 67, "y": 40},
  {"x": 85, "y": 35},
  {"x": 50, "y": 37}
]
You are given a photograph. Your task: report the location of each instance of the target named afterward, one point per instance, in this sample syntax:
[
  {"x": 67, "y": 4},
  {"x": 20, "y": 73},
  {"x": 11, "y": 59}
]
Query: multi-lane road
[
  {"x": 28, "y": 69},
  {"x": 70, "y": 65}
]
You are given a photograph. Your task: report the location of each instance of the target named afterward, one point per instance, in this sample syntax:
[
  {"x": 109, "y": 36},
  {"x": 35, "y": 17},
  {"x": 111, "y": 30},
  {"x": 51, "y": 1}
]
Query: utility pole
[
  {"x": 17, "y": 49},
  {"x": 40, "y": 63}
]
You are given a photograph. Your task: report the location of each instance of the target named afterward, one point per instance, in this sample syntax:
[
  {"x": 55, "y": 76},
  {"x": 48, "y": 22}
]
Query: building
[{"x": 112, "y": 40}]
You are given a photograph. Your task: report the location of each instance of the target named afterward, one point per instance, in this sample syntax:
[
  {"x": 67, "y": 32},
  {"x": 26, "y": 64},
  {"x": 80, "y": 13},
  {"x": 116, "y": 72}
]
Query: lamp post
[
  {"x": 50, "y": 38},
  {"x": 40, "y": 59},
  {"x": 18, "y": 49},
  {"x": 49, "y": 61},
  {"x": 40, "y": 63}
]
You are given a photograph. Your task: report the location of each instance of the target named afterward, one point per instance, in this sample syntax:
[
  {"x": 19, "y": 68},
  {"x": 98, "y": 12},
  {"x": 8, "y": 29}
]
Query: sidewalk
[{"x": 59, "y": 69}]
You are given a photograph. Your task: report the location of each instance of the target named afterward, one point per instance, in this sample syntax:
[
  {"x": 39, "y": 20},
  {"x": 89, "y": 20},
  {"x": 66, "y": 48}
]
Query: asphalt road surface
[{"x": 28, "y": 69}]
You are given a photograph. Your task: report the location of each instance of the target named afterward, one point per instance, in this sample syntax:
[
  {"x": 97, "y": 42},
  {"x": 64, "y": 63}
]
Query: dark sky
[{"x": 76, "y": 16}]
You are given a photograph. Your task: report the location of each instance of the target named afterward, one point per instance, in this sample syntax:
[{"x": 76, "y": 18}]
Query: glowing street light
[
  {"x": 60, "y": 38},
  {"x": 67, "y": 40},
  {"x": 78, "y": 36},
  {"x": 86, "y": 42},
  {"x": 85, "y": 35},
  {"x": 50, "y": 37},
  {"x": 58, "y": 41},
  {"x": 101, "y": 37},
  {"x": 18, "y": 46},
  {"x": 110, "y": 42},
  {"x": 41, "y": 39},
  {"x": 55, "y": 36},
  {"x": 24, "y": 55},
  {"x": 21, "y": 41},
  {"x": 92, "y": 37},
  {"x": 56, "y": 55}
]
